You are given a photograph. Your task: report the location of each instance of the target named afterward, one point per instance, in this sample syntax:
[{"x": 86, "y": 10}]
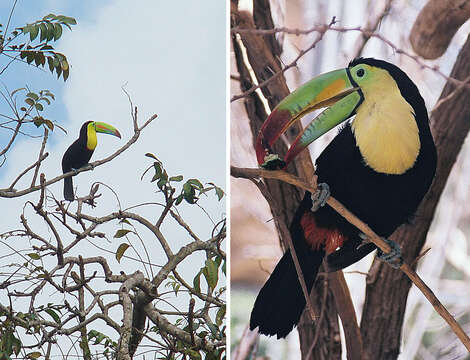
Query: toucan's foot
[
  {"x": 75, "y": 171},
  {"x": 91, "y": 166},
  {"x": 393, "y": 258},
  {"x": 320, "y": 196}
]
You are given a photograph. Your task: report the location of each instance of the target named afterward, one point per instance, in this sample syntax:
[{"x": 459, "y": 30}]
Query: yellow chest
[
  {"x": 386, "y": 131},
  {"x": 91, "y": 140}
]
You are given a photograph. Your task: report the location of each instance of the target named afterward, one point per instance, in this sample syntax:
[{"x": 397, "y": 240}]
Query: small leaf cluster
[
  {"x": 123, "y": 246},
  {"x": 37, "y": 49},
  {"x": 191, "y": 190},
  {"x": 98, "y": 337},
  {"x": 35, "y": 106}
]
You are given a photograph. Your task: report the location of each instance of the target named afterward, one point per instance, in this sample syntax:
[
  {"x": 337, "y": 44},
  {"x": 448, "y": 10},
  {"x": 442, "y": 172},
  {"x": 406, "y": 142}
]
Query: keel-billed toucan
[
  {"x": 79, "y": 153},
  {"x": 380, "y": 165}
]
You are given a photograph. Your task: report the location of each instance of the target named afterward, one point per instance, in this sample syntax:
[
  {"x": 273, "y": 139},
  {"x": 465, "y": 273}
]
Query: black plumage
[
  {"x": 383, "y": 201},
  {"x": 76, "y": 156}
]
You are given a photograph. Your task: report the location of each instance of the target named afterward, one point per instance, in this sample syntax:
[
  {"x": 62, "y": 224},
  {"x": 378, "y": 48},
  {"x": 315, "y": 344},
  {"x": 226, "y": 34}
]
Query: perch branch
[{"x": 377, "y": 240}]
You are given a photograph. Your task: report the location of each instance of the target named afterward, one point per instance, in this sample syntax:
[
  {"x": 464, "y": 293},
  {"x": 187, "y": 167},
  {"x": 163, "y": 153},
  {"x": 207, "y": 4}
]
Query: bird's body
[
  {"x": 79, "y": 153},
  {"x": 382, "y": 184}
]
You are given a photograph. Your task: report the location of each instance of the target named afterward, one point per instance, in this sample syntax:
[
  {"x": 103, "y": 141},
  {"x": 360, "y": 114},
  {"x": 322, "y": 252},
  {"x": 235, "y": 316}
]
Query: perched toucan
[
  {"x": 380, "y": 165},
  {"x": 79, "y": 153}
]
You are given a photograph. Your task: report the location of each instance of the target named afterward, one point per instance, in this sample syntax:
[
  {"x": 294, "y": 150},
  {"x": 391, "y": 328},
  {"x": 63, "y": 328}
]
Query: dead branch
[{"x": 436, "y": 25}]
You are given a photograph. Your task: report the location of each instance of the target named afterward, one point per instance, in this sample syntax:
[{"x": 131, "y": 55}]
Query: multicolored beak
[
  {"x": 333, "y": 88},
  {"x": 104, "y": 128}
]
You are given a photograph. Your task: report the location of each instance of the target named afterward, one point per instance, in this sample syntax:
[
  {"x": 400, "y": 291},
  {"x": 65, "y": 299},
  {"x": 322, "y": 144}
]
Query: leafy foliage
[
  {"x": 191, "y": 190},
  {"x": 35, "y": 105},
  {"x": 36, "y": 48}
]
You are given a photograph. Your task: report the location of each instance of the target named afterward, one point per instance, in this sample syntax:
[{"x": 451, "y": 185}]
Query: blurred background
[{"x": 255, "y": 247}]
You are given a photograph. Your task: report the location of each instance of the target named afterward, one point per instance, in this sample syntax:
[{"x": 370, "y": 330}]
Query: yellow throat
[
  {"x": 91, "y": 140},
  {"x": 385, "y": 127}
]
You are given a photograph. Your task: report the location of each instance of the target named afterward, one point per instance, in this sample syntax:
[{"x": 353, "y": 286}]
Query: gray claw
[
  {"x": 320, "y": 196},
  {"x": 393, "y": 258}
]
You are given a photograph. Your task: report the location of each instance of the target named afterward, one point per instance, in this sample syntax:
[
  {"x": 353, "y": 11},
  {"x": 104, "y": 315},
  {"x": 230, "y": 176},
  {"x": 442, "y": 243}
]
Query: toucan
[
  {"x": 79, "y": 153},
  {"x": 380, "y": 165}
]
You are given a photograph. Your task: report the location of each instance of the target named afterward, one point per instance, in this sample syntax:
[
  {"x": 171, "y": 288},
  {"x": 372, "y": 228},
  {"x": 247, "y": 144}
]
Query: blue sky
[{"x": 170, "y": 66}]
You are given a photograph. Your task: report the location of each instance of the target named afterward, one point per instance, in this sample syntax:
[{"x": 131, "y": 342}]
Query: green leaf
[
  {"x": 58, "y": 70},
  {"x": 33, "y": 355},
  {"x": 53, "y": 315},
  {"x": 32, "y": 95},
  {"x": 50, "y": 62},
  {"x": 124, "y": 221},
  {"x": 176, "y": 178},
  {"x": 39, "y": 107},
  {"x": 196, "y": 183},
  {"x": 43, "y": 29},
  {"x": 121, "y": 232},
  {"x": 120, "y": 251},
  {"x": 179, "y": 199},
  {"x": 50, "y": 16},
  {"x": 29, "y": 101},
  {"x": 67, "y": 20},
  {"x": 64, "y": 65},
  {"x": 34, "y": 256},
  {"x": 211, "y": 273},
  {"x": 219, "y": 318},
  {"x": 189, "y": 193},
  {"x": 50, "y": 31},
  {"x": 65, "y": 74},
  {"x": 224, "y": 268},
  {"x": 150, "y": 155},
  {"x": 34, "y": 32},
  {"x": 57, "y": 31},
  {"x": 197, "y": 282},
  {"x": 219, "y": 192},
  {"x": 26, "y": 29},
  {"x": 158, "y": 169}
]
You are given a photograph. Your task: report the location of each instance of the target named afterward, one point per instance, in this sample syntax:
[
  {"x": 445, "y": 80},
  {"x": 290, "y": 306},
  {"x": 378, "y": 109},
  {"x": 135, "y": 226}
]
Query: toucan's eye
[{"x": 360, "y": 72}]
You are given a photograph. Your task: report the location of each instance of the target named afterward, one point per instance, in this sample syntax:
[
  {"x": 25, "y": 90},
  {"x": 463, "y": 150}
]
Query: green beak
[
  {"x": 333, "y": 88},
  {"x": 104, "y": 128}
]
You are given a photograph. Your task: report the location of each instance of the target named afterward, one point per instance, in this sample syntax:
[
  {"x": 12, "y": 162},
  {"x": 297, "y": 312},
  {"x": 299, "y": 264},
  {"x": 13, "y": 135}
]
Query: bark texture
[
  {"x": 436, "y": 25},
  {"x": 264, "y": 63}
]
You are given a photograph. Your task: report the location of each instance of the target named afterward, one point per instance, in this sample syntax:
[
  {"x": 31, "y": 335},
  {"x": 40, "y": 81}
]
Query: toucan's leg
[
  {"x": 393, "y": 258},
  {"x": 320, "y": 196}
]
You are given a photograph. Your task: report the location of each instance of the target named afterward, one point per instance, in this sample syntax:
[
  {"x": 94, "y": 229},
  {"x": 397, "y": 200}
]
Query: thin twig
[{"x": 322, "y": 29}]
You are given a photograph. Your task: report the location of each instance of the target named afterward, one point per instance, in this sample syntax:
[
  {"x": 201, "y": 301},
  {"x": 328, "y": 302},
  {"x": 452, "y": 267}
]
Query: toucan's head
[
  {"x": 387, "y": 105},
  {"x": 90, "y": 128}
]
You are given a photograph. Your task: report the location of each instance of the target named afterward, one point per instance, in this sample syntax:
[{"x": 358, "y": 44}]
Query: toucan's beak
[
  {"x": 332, "y": 88},
  {"x": 104, "y": 128}
]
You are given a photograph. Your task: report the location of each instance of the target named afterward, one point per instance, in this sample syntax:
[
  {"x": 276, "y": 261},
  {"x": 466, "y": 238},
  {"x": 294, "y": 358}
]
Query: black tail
[
  {"x": 281, "y": 301},
  {"x": 68, "y": 189}
]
